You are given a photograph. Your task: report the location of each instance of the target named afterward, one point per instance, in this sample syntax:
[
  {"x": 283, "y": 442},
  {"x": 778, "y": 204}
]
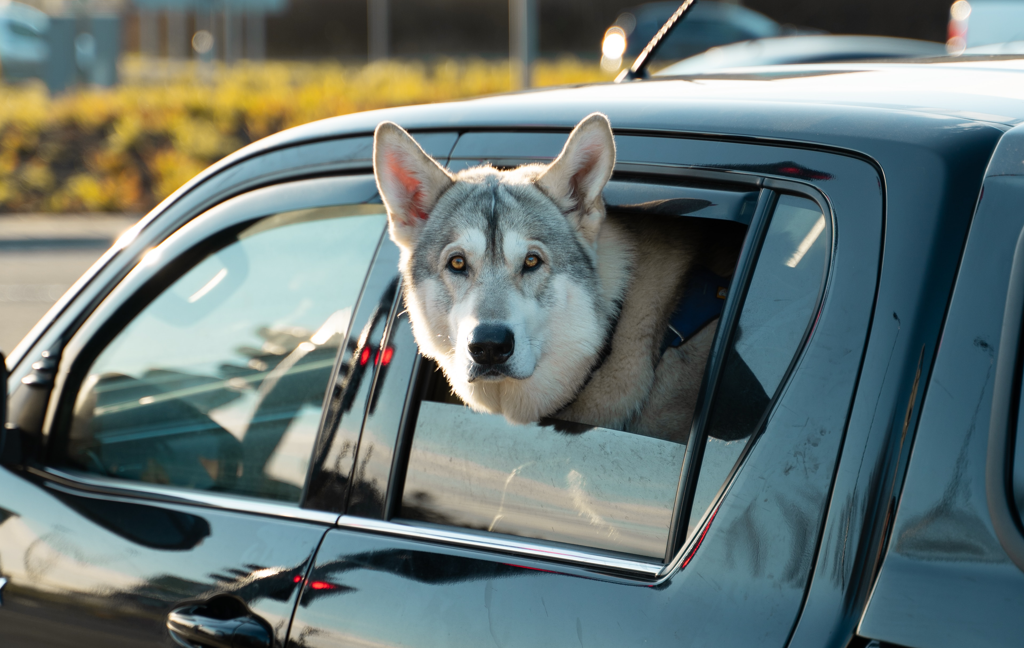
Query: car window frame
[
  {"x": 268, "y": 163},
  {"x": 595, "y": 560},
  {"x": 232, "y": 214}
]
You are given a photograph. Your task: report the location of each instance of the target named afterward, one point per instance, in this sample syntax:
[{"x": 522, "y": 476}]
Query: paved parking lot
[{"x": 41, "y": 256}]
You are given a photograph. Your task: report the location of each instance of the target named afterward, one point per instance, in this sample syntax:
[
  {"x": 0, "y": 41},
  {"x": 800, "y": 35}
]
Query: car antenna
[{"x": 639, "y": 68}]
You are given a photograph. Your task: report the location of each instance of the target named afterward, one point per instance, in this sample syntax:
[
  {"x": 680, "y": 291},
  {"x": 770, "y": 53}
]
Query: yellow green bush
[{"x": 127, "y": 148}]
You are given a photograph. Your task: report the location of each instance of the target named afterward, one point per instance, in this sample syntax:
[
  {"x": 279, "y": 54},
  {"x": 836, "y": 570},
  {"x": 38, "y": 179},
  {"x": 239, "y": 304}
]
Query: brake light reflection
[
  {"x": 317, "y": 585},
  {"x": 321, "y": 585},
  {"x": 383, "y": 359}
]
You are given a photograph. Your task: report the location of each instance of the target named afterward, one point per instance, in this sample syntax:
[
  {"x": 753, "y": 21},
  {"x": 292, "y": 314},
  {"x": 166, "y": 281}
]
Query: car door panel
[
  {"x": 92, "y": 569},
  {"x": 754, "y": 551}
]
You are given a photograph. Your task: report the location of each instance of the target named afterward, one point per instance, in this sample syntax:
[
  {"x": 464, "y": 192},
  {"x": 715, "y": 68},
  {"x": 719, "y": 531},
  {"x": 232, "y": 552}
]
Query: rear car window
[{"x": 614, "y": 490}]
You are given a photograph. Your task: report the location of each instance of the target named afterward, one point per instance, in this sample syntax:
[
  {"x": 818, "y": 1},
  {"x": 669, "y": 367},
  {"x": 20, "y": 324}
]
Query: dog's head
[{"x": 500, "y": 267}]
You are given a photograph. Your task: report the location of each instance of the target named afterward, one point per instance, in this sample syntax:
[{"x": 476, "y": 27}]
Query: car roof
[{"x": 849, "y": 105}]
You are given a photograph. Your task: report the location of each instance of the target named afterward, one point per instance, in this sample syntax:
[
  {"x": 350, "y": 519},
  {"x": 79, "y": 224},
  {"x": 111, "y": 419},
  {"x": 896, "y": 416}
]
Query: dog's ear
[
  {"x": 576, "y": 179},
  {"x": 409, "y": 180}
]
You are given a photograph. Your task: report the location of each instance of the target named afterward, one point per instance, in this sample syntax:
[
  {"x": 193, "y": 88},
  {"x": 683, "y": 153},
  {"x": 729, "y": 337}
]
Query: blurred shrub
[{"x": 127, "y": 148}]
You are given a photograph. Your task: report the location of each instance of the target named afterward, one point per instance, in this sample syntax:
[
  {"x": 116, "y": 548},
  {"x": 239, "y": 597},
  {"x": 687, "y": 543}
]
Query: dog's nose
[{"x": 491, "y": 344}]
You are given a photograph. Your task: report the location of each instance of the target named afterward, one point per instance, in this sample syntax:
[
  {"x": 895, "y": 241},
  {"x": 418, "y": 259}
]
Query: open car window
[
  {"x": 613, "y": 490},
  {"x": 212, "y": 376}
]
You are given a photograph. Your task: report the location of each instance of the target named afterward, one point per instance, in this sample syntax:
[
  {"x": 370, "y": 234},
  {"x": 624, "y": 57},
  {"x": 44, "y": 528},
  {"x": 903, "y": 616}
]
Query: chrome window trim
[
  {"x": 492, "y": 543},
  {"x": 125, "y": 490}
]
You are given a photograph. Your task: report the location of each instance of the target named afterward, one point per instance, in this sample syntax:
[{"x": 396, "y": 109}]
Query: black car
[{"x": 224, "y": 435}]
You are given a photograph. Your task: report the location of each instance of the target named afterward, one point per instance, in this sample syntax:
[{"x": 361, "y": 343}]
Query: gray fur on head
[{"x": 526, "y": 245}]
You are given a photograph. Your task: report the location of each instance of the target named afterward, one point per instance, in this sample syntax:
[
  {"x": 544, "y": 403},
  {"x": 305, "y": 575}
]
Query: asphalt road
[{"x": 41, "y": 256}]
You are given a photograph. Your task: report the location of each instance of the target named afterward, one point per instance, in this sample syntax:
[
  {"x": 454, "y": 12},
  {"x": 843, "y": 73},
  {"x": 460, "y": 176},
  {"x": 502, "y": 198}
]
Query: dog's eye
[
  {"x": 531, "y": 261},
  {"x": 457, "y": 263}
]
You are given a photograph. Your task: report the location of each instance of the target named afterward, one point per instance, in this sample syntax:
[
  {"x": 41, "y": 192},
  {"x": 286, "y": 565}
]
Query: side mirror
[
  {"x": 19, "y": 438},
  {"x": 10, "y": 446}
]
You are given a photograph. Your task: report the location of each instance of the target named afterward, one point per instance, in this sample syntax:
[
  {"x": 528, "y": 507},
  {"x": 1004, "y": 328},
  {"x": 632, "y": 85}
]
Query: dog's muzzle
[{"x": 491, "y": 344}]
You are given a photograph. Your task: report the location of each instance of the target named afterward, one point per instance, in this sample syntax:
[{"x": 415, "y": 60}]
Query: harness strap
[{"x": 701, "y": 304}]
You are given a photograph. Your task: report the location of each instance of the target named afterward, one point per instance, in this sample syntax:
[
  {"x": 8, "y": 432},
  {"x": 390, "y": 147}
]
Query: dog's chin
[{"x": 478, "y": 373}]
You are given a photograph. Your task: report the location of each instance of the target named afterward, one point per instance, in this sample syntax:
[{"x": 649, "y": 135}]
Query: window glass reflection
[
  {"x": 217, "y": 383},
  {"x": 599, "y": 488},
  {"x": 776, "y": 312}
]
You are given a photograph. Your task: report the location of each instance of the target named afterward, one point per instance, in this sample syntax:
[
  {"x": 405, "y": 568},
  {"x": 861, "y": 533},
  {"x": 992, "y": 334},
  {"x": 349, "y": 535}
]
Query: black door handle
[{"x": 223, "y": 622}]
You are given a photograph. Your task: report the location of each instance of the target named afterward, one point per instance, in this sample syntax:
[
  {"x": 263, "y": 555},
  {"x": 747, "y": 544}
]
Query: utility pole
[
  {"x": 377, "y": 29},
  {"x": 522, "y": 41}
]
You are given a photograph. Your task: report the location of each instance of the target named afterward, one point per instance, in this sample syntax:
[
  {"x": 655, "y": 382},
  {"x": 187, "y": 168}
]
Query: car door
[
  {"x": 177, "y": 418},
  {"x": 952, "y": 569},
  {"x": 458, "y": 529}
]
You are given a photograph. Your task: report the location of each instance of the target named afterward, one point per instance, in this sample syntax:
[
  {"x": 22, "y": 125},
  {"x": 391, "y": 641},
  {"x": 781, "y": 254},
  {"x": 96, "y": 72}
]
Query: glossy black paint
[
  {"x": 937, "y": 185},
  {"x": 91, "y": 569},
  {"x": 946, "y": 580}
]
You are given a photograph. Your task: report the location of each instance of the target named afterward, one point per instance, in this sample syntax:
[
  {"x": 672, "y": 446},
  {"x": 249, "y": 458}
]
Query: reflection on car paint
[{"x": 118, "y": 566}]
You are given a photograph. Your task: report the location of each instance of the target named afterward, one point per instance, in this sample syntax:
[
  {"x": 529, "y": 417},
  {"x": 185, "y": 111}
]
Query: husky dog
[{"x": 533, "y": 300}]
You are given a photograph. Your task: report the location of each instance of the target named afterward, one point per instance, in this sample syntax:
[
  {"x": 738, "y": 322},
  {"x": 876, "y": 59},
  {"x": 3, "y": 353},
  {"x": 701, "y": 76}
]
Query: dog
[{"x": 534, "y": 300}]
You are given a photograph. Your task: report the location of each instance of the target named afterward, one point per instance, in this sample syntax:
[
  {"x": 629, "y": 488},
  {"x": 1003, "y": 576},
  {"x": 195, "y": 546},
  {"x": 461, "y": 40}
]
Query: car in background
[
  {"x": 985, "y": 23},
  {"x": 224, "y": 435},
  {"x": 707, "y": 25},
  {"x": 788, "y": 50},
  {"x": 23, "y": 47}
]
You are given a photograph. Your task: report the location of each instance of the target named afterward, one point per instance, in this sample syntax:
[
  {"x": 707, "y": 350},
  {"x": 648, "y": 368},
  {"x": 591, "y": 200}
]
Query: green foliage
[{"x": 127, "y": 148}]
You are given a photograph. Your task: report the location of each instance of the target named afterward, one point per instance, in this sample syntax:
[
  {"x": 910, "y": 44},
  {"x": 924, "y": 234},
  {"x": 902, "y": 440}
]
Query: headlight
[{"x": 614, "y": 44}]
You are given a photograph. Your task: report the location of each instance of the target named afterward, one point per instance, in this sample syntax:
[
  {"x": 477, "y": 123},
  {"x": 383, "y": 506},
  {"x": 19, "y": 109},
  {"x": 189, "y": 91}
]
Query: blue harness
[{"x": 702, "y": 302}]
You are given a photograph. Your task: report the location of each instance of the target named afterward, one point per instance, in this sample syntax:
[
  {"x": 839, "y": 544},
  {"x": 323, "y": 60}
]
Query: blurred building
[
  {"x": 83, "y": 38},
  {"x": 226, "y": 29},
  {"x": 62, "y": 42},
  {"x": 426, "y": 28}
]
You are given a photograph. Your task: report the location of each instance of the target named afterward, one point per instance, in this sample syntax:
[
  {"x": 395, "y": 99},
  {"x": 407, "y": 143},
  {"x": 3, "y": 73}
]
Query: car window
[
  {"x": 777, "y": 310},
  {"x": 607, "y": 489},
  {"x": 217, "y": 382}
]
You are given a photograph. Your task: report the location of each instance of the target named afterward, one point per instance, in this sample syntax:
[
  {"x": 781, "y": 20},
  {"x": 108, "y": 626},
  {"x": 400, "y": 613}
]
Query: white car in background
[
  {"x": 23, "y": 46},
  {"x": 986, "y": 27}
]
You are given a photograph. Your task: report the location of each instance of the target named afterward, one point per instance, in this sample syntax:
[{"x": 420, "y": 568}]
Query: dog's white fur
[{"x": 561, "y": 323}]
